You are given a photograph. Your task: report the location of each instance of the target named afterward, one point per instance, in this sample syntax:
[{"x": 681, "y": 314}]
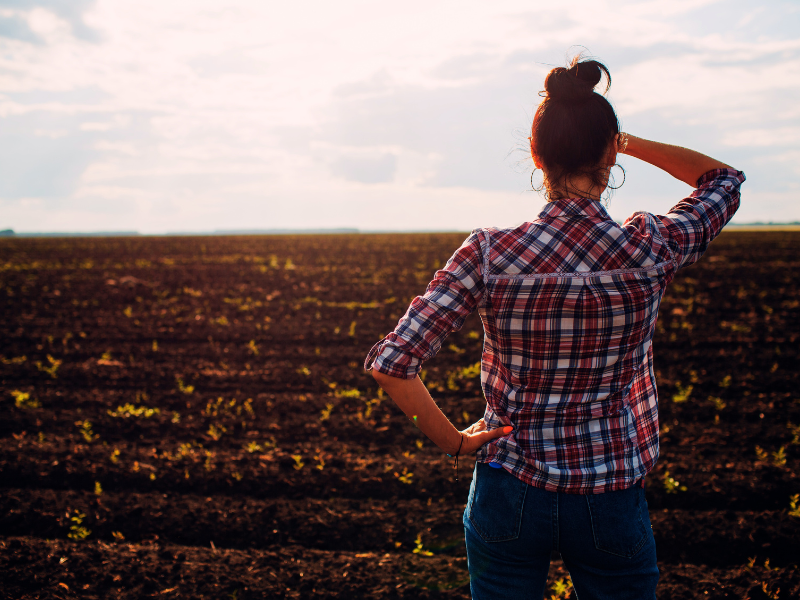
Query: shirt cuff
[
  {"x": 387, "y": 358},
  {"x": 725, "y": 173}
]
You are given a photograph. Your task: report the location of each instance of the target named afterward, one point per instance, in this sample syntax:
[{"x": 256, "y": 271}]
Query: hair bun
[{"x": 576, "y": 83}]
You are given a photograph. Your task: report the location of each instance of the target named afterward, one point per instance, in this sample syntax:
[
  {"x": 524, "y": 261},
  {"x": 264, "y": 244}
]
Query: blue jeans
[{"x": 511, "y": 529}]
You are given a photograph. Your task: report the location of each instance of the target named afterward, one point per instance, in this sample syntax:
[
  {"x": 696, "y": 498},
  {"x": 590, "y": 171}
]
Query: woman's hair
[{"x": 574, "y": 125}]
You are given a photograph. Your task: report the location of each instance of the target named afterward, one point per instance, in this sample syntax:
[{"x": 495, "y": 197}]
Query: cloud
[
  {"x": 17, "y": 28},
  {"x": 71, "y": 11},
  {"x": 377, "y": 169},
  {"x": 182, "y": 113}
]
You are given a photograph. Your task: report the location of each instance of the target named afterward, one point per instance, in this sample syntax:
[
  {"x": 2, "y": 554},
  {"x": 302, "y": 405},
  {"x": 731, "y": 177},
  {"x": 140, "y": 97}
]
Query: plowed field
[{"x": 189, "y": 418}]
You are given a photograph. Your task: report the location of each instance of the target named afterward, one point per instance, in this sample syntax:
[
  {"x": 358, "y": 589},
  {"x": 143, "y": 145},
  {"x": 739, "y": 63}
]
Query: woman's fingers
[{"x": 473, "y": 441}]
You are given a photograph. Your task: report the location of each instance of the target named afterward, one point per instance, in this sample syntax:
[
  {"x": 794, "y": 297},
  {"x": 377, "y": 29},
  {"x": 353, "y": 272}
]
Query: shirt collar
[{"x": 584, "y": 207}]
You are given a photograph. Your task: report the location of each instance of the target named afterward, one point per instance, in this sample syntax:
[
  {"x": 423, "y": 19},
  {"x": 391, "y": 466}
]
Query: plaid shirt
[{"x": 569, "y": 305}]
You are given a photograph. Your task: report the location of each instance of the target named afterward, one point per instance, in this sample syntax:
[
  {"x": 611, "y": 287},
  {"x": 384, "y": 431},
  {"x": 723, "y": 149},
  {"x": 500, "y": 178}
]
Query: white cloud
[{"x": 192, "y": 114}]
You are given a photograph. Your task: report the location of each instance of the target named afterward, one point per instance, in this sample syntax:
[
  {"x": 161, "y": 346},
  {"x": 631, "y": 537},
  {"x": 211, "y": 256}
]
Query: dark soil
[{"x": 273, "y": 468}]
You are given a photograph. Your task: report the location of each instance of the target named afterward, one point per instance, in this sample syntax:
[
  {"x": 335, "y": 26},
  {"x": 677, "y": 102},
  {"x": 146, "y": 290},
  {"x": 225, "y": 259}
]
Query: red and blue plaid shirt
[{"x": 569, "y": 305}]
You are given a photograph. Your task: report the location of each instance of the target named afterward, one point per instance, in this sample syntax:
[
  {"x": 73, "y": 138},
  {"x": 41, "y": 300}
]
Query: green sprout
[
  {"x": 672, "y": 485},
  {"x": 129, "y": 410},
  {"x": 561, "y": 589},
  {"x": 794, "y": 505},
  {"x": 683, "y": 393},
  {"x": 252, "y": 447},
  {"x": 50, "y": 370},
  {"x": 215, "y": 431},
  {"x": 77, "y": 531},
  {"x": 184, "y": 389},
  {"x": 325, "y": 414},
  {"x": 298, "y": 462},
  {"x": 405, "y": 476},
  {"x": 24, "y": 401},
  {"x": 86, "y": 430},
  {"x": 779, "y": 457},
  {"x": 418, "y": 547}
]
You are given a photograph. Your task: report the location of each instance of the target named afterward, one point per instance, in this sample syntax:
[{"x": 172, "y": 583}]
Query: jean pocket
[
  {"x": 617, "y": 524},
  {"x": 495, "y": 504}
]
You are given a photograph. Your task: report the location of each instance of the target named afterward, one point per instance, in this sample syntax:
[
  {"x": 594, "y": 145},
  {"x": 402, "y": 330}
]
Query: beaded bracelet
[{"x": 622, "y": 142}]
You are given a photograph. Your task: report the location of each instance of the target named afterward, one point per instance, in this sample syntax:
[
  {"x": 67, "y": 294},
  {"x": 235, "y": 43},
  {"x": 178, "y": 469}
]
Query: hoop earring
[
  {"x": 533, "y": 187},
  {"x": 624, "y": 176}
]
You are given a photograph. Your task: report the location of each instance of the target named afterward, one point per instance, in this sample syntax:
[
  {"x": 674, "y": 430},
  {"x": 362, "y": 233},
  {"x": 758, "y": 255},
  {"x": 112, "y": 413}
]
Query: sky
[{"x": 196, "y": 115}]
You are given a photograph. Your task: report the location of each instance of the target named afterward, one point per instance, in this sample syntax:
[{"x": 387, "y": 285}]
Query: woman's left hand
[{"x": 476, "y": 435}]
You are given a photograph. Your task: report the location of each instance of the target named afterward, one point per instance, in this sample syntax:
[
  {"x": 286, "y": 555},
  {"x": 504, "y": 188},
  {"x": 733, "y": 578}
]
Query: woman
[{"x": 569, "y": 304}]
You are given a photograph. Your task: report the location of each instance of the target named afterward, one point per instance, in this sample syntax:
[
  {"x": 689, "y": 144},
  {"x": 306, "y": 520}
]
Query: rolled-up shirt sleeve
[
  {"x": 456, "y": 291},
  {"x": 691, "y": 225}
]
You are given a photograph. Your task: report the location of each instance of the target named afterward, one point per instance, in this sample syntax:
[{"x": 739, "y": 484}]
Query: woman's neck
[{"x": 581, "y": 186}]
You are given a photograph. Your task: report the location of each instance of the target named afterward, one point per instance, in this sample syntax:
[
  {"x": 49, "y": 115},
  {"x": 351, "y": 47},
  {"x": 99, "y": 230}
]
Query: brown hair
[{"x": 574, "y": 125}]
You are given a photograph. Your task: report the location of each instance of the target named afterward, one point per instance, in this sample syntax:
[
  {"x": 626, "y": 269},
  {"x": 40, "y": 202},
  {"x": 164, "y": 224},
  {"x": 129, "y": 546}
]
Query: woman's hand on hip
[{"x": 477, "y": 434}]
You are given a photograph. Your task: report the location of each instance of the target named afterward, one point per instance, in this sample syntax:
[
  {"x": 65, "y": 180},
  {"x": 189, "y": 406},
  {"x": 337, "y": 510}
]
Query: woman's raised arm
[{"x": 683, "y": 164}]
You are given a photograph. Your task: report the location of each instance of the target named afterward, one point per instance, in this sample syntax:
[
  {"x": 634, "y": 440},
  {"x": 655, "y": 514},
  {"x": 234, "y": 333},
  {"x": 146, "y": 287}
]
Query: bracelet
[
  {"x": 455, "y": 463},
  {"x": 622, "y": 142}
]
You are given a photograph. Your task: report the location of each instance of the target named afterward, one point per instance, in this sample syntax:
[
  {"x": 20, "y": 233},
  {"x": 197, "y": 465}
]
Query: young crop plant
[
  {"x": 114, "y": 456},
  {"x": 561, "y": 589},
  {"x": 252, "y": 447},
  {"x": 795, "y": 431},
  {"x": 470, "y": 372},
  {"x": 237, "y": 476},
  {"x": 184, "y": 389},
  {"x": 129, "y": 410},
  {"x": 370, "y": 403},
  {"x": 779, "y": 457},
  {"x": 24, "y": 401},
  {"x": 298, "y": 462},
  {"x": 77, "y": 531},
  {"x": 762, "y": 454},
  {"x": 209, "y": 465},
  {"x": 320, "y": 461},
  {"x": 155, "y": 346},
  {"x": 683, "y": 393},
  {"x": 176, "y": 417},
  {"x": 98, "y": 489},
  {"x": 419, "y": 548},
  {"x": 248, "y": 408},
  {"x": 726, "y": 382},
  {"x": 672, "y": 485},
  {"x": 352, "y": 393},
  {"x": 17, "y": 360},
  {"x": 215, "y": 431},
  {"x": 794, "y": 506},
  {"x": 405, "y": 476},
  {"x": 451, "y": 382},
  {"x": 118, "y": 536},
  {"x": 325, "y": 414},
  {"x": 86, "y": 430},
  {"x": 352, "y": 331},
  {"x": 52, "y": 368},
  {"x": 253, "y": 347},
  {"x": 717, "y": 403}
]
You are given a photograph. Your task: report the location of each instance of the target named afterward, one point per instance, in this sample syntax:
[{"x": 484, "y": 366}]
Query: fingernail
[{"x": 508, "y": 429}]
